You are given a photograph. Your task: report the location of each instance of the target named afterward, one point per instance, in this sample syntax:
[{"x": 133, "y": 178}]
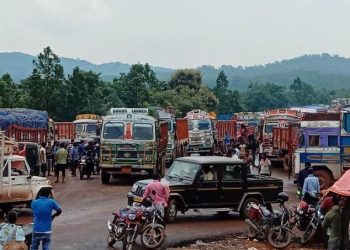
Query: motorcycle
[
  {"x": 146, "y": 221},
  {"x": 86, "y": 167},
  {"x": 260, "y": 221},
  {"x": 281, "y": 236}
]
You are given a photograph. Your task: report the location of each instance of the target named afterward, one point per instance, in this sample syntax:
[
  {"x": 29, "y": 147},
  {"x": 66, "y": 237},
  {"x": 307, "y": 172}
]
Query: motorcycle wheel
[
  {"x": 110, "y": 240},
  {"x": 153, "y": 237},
  {"x": 127, "y": 241},
  {"x": 279, "y": 237},
  {"x": 81, "y": 174},
  {"x": 89, "y": 175},
  {"x": 308, "y": 234}
]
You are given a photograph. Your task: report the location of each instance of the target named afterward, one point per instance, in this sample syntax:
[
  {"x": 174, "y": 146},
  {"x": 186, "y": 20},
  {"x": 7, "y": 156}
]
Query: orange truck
[{"x": 64, "y": 130}]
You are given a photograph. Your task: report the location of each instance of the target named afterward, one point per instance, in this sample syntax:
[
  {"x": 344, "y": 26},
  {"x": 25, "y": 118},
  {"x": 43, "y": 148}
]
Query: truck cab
[
  {"x": 86, "y": 126},
  {"x": 132, "y": 143},
  {"x": 202, "y": 132}
]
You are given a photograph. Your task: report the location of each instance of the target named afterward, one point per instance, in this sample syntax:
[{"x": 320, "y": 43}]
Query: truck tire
[
  {"x": 325, "y": 178},
  {"x": 286, "y": 160},
  {"x": 246, "y": 206},
  {"x": 105, "y": 178}
]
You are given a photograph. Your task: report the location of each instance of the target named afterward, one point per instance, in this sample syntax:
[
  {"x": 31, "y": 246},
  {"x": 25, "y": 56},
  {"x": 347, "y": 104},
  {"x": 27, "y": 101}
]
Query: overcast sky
[{"x": 177, "y": 33}]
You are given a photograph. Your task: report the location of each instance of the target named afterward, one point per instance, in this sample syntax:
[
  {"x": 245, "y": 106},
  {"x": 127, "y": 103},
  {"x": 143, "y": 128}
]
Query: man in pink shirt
[{"x": 158, "y": 191}]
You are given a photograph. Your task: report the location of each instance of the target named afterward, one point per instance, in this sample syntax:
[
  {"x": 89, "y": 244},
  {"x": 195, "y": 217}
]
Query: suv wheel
[
  {"x": 246, "y": 206},
  {"x": 171, "y": 211},
  {"x": 105, "y": 177}
]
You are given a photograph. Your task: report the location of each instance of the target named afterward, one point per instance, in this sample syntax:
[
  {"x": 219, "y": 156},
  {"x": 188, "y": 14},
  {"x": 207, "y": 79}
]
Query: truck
[
  {"x": 321, "y": 144},
  {"x": 278, "y": 118},
  {"x": 87, "y": 126},
  {"x": 64, "y": 130},
  {"x": 133, "y": 142},
  {"x": 202, "y": 132},
  {"x": 177, "y": 134},
  {"x": 25, "y": 125},
  {"x": 17, "y": 186}
]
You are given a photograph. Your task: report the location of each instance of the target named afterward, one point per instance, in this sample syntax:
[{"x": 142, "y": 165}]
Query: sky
[{"x": 177, "y": 33}]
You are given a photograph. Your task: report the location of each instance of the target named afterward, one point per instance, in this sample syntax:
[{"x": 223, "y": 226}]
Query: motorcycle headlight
[
  {"x": 83, "y": 161},
  {"x": 131, "y": 216}
]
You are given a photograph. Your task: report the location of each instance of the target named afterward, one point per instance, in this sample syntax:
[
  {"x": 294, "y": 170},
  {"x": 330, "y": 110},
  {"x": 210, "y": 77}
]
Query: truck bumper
[
  {"x": 127, "y": 169},
  {"x": 198, "y": 149}
]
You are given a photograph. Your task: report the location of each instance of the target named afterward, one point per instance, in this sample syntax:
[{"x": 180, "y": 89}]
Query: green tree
[
  {"x": 134, "y": 87},
  {"x": 221, "y": 81},
  {"x": 302, "y": 93},
  {"x": 261, "y": 97},
  {"x": 8, "y": 92},
  {"x": 45, "y": 87},
  {"x": 186, "y": 77}
]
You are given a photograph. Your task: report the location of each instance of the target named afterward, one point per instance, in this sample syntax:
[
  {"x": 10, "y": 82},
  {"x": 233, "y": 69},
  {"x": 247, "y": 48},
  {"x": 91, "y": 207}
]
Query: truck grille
[{"x": 139, "y": 191}]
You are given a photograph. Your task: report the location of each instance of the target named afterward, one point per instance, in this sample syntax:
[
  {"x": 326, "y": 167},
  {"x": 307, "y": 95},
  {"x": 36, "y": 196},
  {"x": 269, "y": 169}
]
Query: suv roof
[{"x": 210, "y": 160}]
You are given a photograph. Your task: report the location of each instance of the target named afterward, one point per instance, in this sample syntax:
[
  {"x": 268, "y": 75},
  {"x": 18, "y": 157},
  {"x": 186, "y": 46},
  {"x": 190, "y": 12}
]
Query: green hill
[{"x": 319, "y": 70}]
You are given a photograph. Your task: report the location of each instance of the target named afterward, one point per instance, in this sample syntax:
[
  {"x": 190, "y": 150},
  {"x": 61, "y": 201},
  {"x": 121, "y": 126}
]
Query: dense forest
[{"x": 65, "y": 94}]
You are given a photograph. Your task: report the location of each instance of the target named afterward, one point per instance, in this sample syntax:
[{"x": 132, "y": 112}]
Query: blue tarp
[
  {"x": 23, "y": 117},
  {"x": 224, "y": 117}
]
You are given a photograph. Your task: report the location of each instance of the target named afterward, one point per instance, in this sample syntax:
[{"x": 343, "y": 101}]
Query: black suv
[{"x": 212, "y": 182}]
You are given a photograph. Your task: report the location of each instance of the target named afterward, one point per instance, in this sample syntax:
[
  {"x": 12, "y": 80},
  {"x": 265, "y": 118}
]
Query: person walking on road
[
  {"x": 303, "y": 174},
  {"x": 49, "y": 158},
  {"x": 330, "y": 225},
  {"x": 43, "y": 159},
  {"x": 344, "y": 224},
  {"x": 43, "y": 217},
  {"x": 61, "y": 160}
]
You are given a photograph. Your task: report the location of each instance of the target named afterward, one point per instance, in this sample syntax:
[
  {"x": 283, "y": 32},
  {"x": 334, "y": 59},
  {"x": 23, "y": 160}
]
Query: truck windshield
[
  {"x": 183, "y": 170},
  {"x": 142, "y": 131},
  {"x": 170, "y": 126},
  {"x": 78, "y": 128},
  {"x": 199, "y": 125},
  {"x": 269, "y": 127},
  {"x": 113, "y": 130},
  {"x": 91, "y": 128}
]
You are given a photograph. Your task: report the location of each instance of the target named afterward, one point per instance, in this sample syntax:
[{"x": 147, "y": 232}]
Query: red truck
[{"x": 64, "y": 130}]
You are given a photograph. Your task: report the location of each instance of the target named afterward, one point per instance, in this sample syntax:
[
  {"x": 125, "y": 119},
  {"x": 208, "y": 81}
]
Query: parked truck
[
  {"x": 321, "y": 145},
  {"x": 87, "y": 126},
  {"x": 177, "y": 133},
  {"x": 202, "y": 132},
  {"x": 132, "y": 143},
  {"x": 64, "y": 130}
]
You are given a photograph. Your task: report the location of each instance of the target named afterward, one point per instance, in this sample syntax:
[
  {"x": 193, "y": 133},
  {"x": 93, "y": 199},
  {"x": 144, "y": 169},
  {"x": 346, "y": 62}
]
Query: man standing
[
  {"x": 303, "y": 174},
  {"x": 330, "y": 225},
  {"x": 42, "y": 156},
  {"x": 49, "y": 158},
  {"x": 43, "y": 217},
  {"x": 311, "y": 185},
  {"x": 74, "y": 156},
  {"x": 61, "y": 160},
  {"x": 264, "y": 166}
]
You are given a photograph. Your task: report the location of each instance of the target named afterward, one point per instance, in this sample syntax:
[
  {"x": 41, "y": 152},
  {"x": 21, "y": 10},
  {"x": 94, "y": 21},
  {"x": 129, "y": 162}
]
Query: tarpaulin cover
[
  {"x": 342, "y": 186},
  {"x": 23, "y": 117}
]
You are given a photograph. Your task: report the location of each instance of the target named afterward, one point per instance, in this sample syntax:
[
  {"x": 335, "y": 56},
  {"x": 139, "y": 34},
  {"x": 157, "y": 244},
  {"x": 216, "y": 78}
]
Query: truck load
[
  {"x": 64, "y": 130},
  {"x": 202, "y": 132},
  {"x": 177, "y": 133},
  {"x": 24, "y": 125},
  {"x": 133, "y": 142}
]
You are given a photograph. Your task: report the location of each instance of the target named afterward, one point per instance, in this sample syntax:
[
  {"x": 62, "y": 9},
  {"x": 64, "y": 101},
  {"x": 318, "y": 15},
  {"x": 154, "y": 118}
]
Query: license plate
[
  {"x": 138, "y": 199},
  {"x": 126, "y": 170}
]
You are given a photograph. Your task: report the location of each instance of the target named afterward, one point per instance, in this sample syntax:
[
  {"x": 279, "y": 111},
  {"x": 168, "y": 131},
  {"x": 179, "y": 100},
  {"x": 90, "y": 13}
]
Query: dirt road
[{"x": 87, "y": 205}]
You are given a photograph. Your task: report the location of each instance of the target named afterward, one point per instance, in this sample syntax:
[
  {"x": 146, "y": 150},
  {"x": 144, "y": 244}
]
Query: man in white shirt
[
  {"x": 264, "y": 166},
  {"x": 42, "y": 156}
]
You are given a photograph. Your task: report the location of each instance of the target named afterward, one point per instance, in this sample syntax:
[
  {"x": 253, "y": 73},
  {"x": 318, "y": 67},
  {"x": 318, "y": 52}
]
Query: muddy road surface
[{"x": 87, "y": 205}]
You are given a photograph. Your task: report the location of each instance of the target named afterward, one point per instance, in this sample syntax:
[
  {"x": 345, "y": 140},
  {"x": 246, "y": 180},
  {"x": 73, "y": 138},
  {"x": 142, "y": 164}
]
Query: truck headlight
[
  {"x": 134, "y": 187},
  {"x": 105, "y": 158}
]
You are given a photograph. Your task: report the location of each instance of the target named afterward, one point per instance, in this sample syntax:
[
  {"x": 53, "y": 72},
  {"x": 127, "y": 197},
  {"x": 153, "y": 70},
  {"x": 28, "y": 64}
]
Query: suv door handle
[{"x": 13, "y": 178}]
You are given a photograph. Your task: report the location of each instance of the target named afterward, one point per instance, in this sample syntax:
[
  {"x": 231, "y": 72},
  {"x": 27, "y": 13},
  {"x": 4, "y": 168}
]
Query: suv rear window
[{"x": 232, "y": 172}]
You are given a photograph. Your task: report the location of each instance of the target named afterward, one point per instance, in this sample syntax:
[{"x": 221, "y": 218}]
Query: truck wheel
[
  {"x": 171, "y": 211},
  {"x": 286, "y": 160},
  {"x": 325, "y": 178},
  {"x": 246, "y": 206},
  {"x": 105, "y": 177}
]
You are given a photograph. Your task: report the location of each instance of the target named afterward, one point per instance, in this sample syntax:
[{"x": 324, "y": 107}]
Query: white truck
[{"x": 17, "y": 186}]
